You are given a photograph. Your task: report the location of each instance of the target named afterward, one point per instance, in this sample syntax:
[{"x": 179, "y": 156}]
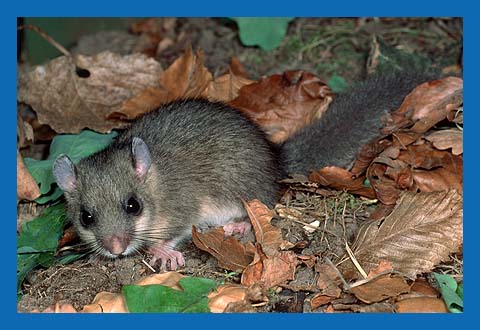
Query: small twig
[
  {"x": 355, "y": 261},
  {"x": 49, "y": 39},
  {"x": 148, "y": 266},
  {"x": 259, "y": 304}
]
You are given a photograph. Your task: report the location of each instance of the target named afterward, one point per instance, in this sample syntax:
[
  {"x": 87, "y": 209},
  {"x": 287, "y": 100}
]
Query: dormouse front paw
[{"x": 164, "y": 252}]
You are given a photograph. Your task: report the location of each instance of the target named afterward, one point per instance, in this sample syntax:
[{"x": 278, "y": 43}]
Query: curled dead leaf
[
  {"x": 260, "y": 215},
  {"x": 27, "y": 188},
  {"x": 274, "y": 268},
  {"x": 282, "y": 104},
  {"x": 341, "y": 179},
  {"x": 224, "y": 295},
  {"x": 427, "y": 104},
  {"x": 107, "y": 302},
  {"x": 230, "y": 253},
  {"x": 446, "y": 139},
  {"x": 187, "y": 77}
]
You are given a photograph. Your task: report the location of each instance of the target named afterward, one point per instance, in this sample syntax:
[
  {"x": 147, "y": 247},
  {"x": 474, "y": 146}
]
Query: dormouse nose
[{"x": 116, "y": 243}]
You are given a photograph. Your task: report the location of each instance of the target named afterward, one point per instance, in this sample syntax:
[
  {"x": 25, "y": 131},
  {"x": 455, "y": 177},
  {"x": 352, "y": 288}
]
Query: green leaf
[
  {"x": 337, "y": 84},
  {"x": 159, "y": 298},
  {"x": 266, "y": 32},
  {"x": 449, "y": 289},
  {"x": 38, "y": 240},
  {"x": 76, "y": 146}
]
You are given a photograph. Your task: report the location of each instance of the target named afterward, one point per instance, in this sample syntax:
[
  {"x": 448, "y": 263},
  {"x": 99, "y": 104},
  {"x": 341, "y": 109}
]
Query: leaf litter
[{"x": 280, "y": 255}]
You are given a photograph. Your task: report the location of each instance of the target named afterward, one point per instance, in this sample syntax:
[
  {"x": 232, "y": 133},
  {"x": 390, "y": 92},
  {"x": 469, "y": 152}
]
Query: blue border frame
[{"x": 225, "y": 8}]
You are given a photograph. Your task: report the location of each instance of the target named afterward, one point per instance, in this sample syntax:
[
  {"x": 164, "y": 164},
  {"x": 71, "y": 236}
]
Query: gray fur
[
  {"x": 352, "y": 120},
  {"x": 200, "y": 151}
]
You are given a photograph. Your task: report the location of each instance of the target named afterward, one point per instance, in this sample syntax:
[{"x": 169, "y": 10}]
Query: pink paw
[
  {"x": 167, "y": 255},
  {"x": 242, "y": 227}
]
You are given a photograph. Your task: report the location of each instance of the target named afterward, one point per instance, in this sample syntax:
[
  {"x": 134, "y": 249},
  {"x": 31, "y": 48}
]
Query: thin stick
[
  {"x": 354, "y": 260},
  {"x": 49, "y": 39}
]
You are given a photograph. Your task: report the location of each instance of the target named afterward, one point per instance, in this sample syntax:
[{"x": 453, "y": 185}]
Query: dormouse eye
[
  {"x": 86, "y": 219},
  {"x": 133, "y": 206}
]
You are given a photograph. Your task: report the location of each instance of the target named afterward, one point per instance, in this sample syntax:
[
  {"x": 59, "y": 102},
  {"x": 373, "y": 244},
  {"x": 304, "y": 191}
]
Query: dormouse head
[{"x": 108, "y": 197}]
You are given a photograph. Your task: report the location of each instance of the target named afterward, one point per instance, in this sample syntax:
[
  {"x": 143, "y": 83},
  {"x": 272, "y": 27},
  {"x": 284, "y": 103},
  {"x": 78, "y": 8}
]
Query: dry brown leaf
[
  {"x": 274, "y": 268},
  {"x": 27, "y": 188},
  {"x": 269, "y": 236},
  {"x": 382, "y": 267},
  {"x": 187, "y": 77},
  {"x": 446, "y": 139},
  {"x": 366, "y": 155},
  {"x": 320, "y": 300},
  {"x": 421, "y": 305},
  {"x": 107, "y": 302},
  {"x": 341, "y": 179},
  {"x": 282, "y": 104},
  {"x": 225, "y": 295},
  {"x": 170, "y": 279},
  {"x": 68, "y": 103},
  {"x": 24, "y": 132},
  {"x": 237, "y": 69},
  {"x": 422, "y": 230},
  {"x": 421, "y": 286},
  {"x": 381, "y": 288},
  {"x": 225, "y": 88},
  {"x": 417, "y": 167},
  {"x": 428, "y": 104},
  {"x": 230, "y": 253},
  {"x": 327, "y": 280}
]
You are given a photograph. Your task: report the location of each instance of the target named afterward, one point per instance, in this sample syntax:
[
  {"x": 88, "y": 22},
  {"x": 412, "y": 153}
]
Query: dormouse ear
[
  {"x": 141, "y": 157},
  {"x": 65, "y": 173}
]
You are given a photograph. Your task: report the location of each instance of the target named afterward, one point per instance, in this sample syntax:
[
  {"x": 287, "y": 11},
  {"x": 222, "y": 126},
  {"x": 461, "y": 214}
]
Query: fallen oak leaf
[
  {"x": 106, "y": 302},
  {"x": 381, "y": 288},
  {"x": 226, "y": 88},
  {"x": 187, "y": 77},
  {"x": 421, "y": 305},
  {"x": 446, "y": 139},
  {"x": 417, "y": 167},
  {"x": 27, "y": 188},
  {"x": 426, "y": 105},
  {"x": 282, "y": 104},
  {"x": 269, "y": 236},
  {"x": 272, "y": 269},
  {"x": 382, "y": 267},
  {"x": 328, "y": 280},
  {"x": 421, "y": 286},
  {"x": 69, "y": 103},
  {"x": 225, "y": 295},
  {"x": 341, "y": 179},
  {"x": 230, "y": 253},
  {"x": 24, "y": 132}
]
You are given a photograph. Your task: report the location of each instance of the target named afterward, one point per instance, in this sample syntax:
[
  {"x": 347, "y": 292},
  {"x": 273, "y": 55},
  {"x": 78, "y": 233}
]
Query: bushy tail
[{"x": 353, "y": 119}]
